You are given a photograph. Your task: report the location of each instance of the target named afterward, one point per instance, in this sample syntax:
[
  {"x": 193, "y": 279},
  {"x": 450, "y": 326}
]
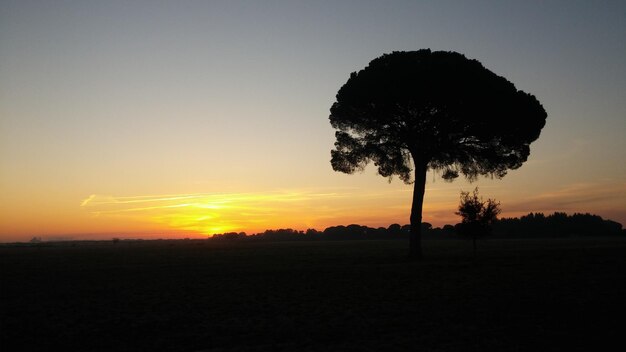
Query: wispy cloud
[
  {"x": 95, "y": 199},
  {"x": 208, "y": 213},
  {"x": 211, "y": 213}
]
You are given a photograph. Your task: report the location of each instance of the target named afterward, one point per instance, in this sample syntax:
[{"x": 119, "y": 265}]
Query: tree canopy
[
  {"x": 438, "y": 107},
  {"x": 422, "y": 110}
]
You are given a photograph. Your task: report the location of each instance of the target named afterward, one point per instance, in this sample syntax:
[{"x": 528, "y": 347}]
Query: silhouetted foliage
[
  {"x": 282, "y": 233},
  {"x": 312, "y": 233},
  {"x": 394, "y": 230},
  {"x": 477, "y": 215},
  {"x": 421, "y": 110},
  {"x": 355, "y": 232},
  {"x": 531, "y": 225},
  {"x": 557, "y": 224},
  {"x": 229, "y": 236}
]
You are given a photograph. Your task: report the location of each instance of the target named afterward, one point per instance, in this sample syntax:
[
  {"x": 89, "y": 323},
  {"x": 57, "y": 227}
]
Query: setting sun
[{"x": 208, "y": 214}]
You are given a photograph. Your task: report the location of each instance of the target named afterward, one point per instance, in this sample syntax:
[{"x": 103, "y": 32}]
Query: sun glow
[
  {"x": 207, "y": 214},
  {"x": 202, "y": 214},
  {"x": 211, "y": 213}
]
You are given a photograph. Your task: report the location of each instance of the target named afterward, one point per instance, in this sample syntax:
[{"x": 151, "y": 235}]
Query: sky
[{"x": 159, "y": 119}]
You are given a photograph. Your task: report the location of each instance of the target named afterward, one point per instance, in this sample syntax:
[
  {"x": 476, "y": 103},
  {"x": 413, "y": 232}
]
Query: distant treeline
[
  {"x": 556, "y": 225},
  {"x": 533, "y": 225}
]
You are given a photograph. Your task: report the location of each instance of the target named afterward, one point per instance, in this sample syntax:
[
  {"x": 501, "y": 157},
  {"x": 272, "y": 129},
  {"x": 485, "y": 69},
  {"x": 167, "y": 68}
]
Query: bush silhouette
[{"x": 477, "y": 216}]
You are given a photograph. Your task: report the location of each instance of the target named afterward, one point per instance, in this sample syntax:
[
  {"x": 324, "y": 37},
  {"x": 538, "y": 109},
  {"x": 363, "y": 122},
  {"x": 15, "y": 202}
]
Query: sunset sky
[{"x": 150, "y": 119}]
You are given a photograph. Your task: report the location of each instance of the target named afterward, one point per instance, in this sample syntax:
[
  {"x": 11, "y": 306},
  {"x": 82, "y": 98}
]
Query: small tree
[{"x": 477, "y": 215}]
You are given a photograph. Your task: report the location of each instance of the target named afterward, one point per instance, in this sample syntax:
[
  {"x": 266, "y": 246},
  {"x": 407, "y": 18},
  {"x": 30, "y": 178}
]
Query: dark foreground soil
[{"x": 516, "y": 295}]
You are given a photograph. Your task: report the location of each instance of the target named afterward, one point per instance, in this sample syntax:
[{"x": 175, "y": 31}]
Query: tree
[
  {"x": 409, "y": 112},
  {"x": 477, "y": 215}
]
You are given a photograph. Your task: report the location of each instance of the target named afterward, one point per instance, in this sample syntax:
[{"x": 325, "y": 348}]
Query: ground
[{"x": 516, "y": 295}]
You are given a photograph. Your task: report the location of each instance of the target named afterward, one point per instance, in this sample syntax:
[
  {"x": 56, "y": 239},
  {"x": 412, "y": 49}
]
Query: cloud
[
  {"x": 87, "y": 200},
  {"x": 208, "y": 213},
  {"x": 211, "y": 213}
]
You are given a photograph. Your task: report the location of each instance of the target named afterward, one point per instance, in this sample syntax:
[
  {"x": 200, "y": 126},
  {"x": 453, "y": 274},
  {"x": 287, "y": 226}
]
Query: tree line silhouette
[
  {"x": 533, "y": 225},
  {"x": 556, "y": 225}
]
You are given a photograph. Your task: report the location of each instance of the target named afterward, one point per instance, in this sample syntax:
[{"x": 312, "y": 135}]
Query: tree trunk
[{"x": 415, "y": 239}]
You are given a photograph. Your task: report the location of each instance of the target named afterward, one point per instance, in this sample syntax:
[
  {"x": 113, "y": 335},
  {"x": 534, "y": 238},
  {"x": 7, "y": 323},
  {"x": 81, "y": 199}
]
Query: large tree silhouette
[{"x": 421, "y": 110}]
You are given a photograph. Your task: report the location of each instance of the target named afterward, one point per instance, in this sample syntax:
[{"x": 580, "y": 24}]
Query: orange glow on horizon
[
  {"x": 208, "y": 214},
  {"x": 198, "y": 215}
]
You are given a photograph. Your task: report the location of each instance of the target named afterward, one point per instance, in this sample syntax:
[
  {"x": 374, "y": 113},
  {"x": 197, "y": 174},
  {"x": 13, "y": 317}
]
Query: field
[{"x": 516, "y": 295}]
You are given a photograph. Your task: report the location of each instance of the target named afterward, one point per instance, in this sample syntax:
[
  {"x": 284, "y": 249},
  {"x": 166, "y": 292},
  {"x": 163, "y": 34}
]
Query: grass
[{"x": 517, "y": 295}]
